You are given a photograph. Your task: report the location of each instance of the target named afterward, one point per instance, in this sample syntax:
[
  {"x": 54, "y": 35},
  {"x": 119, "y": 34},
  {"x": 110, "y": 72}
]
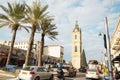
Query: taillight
[
  {"x": 19, "y": 71},
  {"x": 32, "y": 73},
  {"x": 97, "y": 73}
]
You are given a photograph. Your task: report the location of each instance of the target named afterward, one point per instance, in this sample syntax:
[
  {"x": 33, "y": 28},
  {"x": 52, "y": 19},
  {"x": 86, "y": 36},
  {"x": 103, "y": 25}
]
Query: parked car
[
  {"x": 82, "y": 69},
  {"x": 92, "y": 74},
  {"x": 34, "y": 73},
  {"x": 68, "y": 70}
]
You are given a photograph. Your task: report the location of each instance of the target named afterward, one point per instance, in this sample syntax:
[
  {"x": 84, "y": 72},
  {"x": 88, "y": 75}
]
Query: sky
[{"x": 90, "y": 15}]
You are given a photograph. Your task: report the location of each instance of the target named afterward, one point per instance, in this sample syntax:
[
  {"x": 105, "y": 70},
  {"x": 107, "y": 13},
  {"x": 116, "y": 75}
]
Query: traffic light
[{"x": 105, "y": 42}]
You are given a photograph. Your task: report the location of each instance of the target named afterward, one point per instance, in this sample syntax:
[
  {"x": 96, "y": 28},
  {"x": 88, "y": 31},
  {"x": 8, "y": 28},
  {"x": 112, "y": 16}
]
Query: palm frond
[
  {"x": 3, "y": 24},
  {"x": 4, "y": 9},
  {"x": 10, "y": 10},
  {"x": 4, "y": 17},
  {"x": 43, "y": 9}
]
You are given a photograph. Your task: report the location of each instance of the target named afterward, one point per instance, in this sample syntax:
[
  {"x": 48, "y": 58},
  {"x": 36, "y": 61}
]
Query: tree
[
  {"x": 13, "y": 16},
  {"x": 47, "y": 29},
  {"x": 34, "y": 15}
]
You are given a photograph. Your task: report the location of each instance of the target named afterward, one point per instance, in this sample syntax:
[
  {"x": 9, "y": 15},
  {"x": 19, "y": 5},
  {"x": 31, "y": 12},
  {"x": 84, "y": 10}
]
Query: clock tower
[{"x": 76, "y": 46}]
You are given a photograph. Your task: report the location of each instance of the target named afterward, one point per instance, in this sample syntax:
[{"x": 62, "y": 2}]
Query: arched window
[
  {"x": 75, "y": 48},
  {"x": 75, "y": 36}
]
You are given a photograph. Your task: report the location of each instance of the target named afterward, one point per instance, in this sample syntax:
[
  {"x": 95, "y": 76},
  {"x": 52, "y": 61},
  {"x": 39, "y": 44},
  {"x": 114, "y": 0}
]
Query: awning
[{"x": 117, "y": 58}]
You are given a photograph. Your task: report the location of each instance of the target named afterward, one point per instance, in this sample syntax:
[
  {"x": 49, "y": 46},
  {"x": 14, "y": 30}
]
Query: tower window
[
  {"x": 75, "y": 48},
  {"x": 75, "y": 36}
]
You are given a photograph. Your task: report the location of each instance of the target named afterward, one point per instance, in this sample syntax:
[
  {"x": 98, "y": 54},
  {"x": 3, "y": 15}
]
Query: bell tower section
[{"x": 76, "y": 46}]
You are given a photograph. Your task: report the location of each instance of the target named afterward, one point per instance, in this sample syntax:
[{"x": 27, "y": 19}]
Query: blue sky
[{"x": 90, "y": 15}]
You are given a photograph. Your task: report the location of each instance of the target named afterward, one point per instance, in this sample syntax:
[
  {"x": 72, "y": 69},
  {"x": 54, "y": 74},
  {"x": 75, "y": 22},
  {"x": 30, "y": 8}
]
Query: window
[
  {"x": 75, "y": 48},
  {"x": 40, "y": 70},
  {"x": 75, "y": 36}
]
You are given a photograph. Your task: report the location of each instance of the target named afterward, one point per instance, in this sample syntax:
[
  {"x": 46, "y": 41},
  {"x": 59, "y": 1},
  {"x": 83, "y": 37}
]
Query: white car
[
  {"x": 34, "y": 73},
  {"x": 92, "y": 74}
]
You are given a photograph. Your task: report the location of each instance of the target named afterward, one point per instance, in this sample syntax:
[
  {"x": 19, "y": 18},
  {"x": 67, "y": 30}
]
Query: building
[
  {"x": 76, "y": 46},
  {"x": 51, "y": 52},
  {"x": 54, "y": 51},
  {"x": 17, "y": 56},
  {"x": 115, "y": 45}
]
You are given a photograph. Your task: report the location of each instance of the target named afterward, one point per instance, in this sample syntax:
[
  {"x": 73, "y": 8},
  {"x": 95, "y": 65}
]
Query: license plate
[
  {"x": 92, "y": 72},
  {"x": 24, "y": 72}
]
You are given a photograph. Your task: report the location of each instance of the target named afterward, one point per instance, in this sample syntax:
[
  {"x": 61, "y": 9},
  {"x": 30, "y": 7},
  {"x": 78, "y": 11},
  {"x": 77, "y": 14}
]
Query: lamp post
[
  {"x": 108, "y": 50},
  {"x": 105, "y": 50}
]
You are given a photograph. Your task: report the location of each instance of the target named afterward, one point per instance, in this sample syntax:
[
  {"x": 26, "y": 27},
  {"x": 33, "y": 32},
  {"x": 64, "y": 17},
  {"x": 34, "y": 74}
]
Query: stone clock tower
[{"x": 76, "y": 46}]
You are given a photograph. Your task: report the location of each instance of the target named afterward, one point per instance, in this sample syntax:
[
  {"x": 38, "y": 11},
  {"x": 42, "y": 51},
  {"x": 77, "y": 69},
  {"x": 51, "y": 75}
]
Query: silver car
[
  {"x": 34, "y": 73},
  {"x": 92, "y": 73}
]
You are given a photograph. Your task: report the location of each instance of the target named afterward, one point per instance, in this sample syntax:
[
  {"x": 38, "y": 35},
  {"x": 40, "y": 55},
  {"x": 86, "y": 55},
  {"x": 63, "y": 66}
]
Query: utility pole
[{"x": 108, "y": 50}]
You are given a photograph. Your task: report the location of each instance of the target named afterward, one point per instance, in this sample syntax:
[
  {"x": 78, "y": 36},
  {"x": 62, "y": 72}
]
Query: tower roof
[{"x": 76, "y": 27}]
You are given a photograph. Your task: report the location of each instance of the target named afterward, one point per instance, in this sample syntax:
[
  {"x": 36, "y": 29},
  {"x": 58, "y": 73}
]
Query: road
[{"x": 79, "y": 76}]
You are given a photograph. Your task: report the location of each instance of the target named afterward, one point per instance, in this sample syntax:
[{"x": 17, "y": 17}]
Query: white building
[
  {"x": 54, "y": 51},
  {"x": 23, "y": 45}
]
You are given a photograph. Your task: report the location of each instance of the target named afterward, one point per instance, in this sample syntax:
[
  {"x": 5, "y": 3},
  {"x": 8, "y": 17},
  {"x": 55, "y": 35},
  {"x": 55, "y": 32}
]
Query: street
[{"x": 79, "y": 76}]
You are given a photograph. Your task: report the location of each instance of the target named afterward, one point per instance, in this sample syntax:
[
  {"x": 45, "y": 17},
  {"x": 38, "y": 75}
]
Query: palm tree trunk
[
  {"x": 11, "y": 47},
  {"x": 40, "y": 62},
  {"x": 31, "y": 39}
]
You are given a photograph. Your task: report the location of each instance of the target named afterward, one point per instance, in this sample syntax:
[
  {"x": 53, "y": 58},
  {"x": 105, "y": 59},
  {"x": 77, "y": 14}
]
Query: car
[
  {"x": 82, "y": 69},
  {"x": 69, "y": 71},
  {"x": 34, "y": 73},
  {"x": 92, "y": 74}
]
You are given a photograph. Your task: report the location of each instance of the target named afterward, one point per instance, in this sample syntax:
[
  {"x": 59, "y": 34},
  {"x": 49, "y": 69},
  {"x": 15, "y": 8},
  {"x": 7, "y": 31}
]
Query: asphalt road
[{"x": 79, "y": 76}]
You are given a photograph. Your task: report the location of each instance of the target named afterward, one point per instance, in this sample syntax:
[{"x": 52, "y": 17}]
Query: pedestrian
[{"x": 60, "y": 72}]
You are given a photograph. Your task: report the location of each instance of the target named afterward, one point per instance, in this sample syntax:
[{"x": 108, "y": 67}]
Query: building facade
[
  {"x": 17, "y": 57},
  {"x": 76, "y": 46},
  {"x": 55, "y": 51},
  {"x": 115, "y": 45},
  {"x": 51, "y": 52}
]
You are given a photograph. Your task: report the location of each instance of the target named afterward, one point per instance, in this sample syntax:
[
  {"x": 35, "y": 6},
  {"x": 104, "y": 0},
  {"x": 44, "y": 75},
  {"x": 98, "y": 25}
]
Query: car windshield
[{"x": 28, "y": 68}]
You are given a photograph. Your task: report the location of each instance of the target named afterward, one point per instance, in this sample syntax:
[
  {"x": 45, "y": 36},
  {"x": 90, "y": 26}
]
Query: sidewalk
[{"x": 9, "y": 74}]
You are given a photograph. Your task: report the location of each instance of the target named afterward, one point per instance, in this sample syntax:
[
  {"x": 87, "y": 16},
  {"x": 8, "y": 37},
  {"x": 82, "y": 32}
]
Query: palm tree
[
  {"x": 34, "y": 16},
  {"x": 13, "y": 16},
  {"x": 47, "y": 29}
]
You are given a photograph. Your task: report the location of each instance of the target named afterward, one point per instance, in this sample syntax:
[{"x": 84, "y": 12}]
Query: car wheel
[
  {"x": 51, "y": 77},
  {"x": 37, "y": 78}
]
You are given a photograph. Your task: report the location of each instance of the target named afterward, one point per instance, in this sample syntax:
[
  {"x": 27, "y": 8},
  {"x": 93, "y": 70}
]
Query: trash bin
[{"x": 10, "y": 68}]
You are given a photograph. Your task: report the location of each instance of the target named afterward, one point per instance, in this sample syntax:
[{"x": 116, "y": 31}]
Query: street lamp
[
  {"x": 105, "y": 50},
  {"x": 107, "y": 46},
  {"x": 108, "y": 50}
]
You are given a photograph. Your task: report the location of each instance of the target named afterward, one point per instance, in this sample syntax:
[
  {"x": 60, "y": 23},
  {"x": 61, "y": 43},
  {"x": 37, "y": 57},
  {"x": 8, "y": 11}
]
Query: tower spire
[
  {"x": 76, "y": 23},
  {"x": 76, "y": 26}
]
